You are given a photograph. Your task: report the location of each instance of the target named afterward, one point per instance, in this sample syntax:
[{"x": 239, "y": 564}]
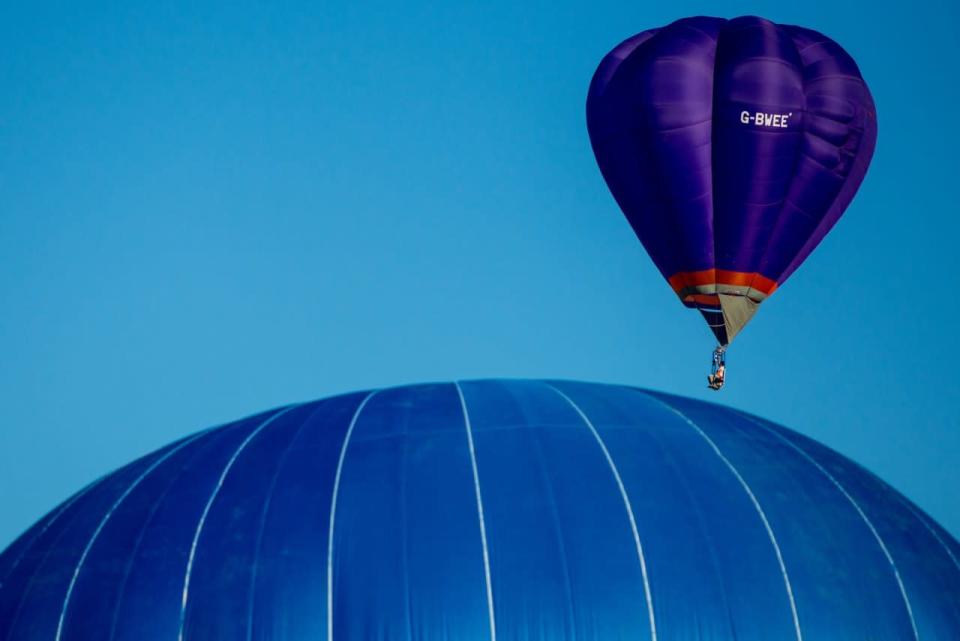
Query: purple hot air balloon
[{"x": 732, "y": 147}]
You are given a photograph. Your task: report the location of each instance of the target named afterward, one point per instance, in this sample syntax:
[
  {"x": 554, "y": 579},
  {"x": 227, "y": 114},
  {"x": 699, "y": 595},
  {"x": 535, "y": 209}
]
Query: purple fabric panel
[
  {"x": 731, "y": 144},
  {"x": 611, "y": 62},
  {"x": 841, "y": 114},
  {"x": 759, "y": 77},
  {"x": 649, "y": 124},
  {"x": 624, "y": 165},
  {"x": 674, "y": 80}
]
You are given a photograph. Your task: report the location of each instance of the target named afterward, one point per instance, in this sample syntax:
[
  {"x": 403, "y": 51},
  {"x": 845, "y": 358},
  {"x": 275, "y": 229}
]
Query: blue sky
[{"x": 213, "y": 210}]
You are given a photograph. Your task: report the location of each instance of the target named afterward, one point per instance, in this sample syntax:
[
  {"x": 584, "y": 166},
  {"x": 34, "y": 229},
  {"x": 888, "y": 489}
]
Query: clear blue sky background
[{"x": 213, "y": 210}]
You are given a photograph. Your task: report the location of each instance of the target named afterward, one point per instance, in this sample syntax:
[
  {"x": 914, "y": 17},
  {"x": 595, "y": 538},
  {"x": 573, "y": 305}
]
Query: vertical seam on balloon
[
  {"x": 333, "y": 510},
  {"x": 626, "y": 504},
  {"x": 135, "y": 548},
  {"x": 753, "y": 499},
  {"x": 63, "y": 508},
  {"x": 206, "y": 510},
  {"x": 53, "y": 519},
  {"x": 403, "y": 523},
  {"x": 16, "y": 616},
  {"x": 809, "y": 245},
  {"x": 932, "y": 531},
  {"x": 696, "y": 505},
  {"x": 551, "y": 501},
  {"x": 856, "y": 506},
  {"x": 793, "y": 265},
  {"x": 713, "y": 190},
  {"x": 793, "y": 173},
  {"x": 103, "y": 522},
  {"x": 483, "y": 528},
  {"x": 258, "y": 541}
]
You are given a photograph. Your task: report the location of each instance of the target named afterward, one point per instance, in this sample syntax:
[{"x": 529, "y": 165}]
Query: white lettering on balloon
[{"x": 761, "y": 119}]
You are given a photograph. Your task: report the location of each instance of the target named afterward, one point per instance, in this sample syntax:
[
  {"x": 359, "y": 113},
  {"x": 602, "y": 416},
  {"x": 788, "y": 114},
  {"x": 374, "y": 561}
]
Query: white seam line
[
  {"x": 626, "y": 504},
  {"x": 923, "y": 519},
  {"x": 856, "y": 506},
  {"x": 267, "y": 504},
  {"x": 24, "y": 593},
  {"x": 53, "y": 519},
  {"x": 206, "y": 511},
  {"x": 103, "y": 523},
  {"x": 756, "y": 505},
  {"x": 483, "y": 526},
  {"x": 333, "y": 510}
]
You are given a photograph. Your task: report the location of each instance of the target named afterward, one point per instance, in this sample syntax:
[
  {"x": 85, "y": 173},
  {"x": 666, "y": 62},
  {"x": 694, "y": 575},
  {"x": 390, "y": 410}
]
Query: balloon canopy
[
  {"x": 518, "y": 509},
  {"x": 732, "y": 147}
]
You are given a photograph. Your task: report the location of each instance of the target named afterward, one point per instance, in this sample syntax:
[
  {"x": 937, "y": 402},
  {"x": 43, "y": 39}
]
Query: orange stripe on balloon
[
  {"x": 681, "y": 280},
  {"x": 755, "y": 280},
  {"x": 763, "y": 284},
  {"x": 702, "y": 299},
  {"x": 734, "y": 279}
]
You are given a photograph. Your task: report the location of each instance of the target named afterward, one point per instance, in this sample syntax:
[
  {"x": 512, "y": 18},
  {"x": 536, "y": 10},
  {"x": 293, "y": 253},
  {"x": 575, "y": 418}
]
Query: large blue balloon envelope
[
  {"x": 486, "y": 510},
  {"x": 732, "y": 147}
]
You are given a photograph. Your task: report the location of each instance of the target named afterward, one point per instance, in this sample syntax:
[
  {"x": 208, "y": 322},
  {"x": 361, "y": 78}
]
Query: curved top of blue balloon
[{"x": 524, "y": 509}]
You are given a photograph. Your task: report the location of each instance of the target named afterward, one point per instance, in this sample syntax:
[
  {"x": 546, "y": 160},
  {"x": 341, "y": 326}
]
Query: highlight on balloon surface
[
  {"x": 520, "y": 509},
  {"x": 732, "y": 147}
]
